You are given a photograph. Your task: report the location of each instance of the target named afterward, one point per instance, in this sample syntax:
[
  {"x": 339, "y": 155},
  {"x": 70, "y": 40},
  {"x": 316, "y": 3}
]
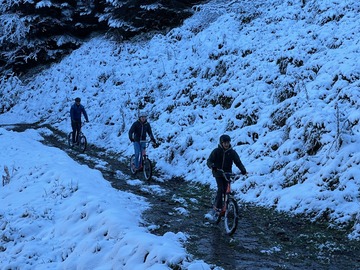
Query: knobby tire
[
  {"x": 147, "y": 169},
  {"x": 70, "y": 139},
  {"x": 231, "y": 217},
  {"x": 83, "y": 143},
  {"x": 132, "y": 165}
]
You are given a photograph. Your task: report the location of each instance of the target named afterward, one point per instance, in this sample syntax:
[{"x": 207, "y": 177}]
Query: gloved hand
[
  {"x": 87, "y": 121},
  {"x": 244, "y": 173},
  {"x": 214, "y": 169},
  {"x": 132, "y": 140},
  {"x": 155, "y": 144}
]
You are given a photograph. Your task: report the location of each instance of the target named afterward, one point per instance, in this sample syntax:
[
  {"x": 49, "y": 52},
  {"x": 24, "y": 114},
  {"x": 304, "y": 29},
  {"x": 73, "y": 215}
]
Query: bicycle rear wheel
[
  {"x": 83, "y": 143},
  {"x": 147, "y": 169},
  {"x": 231, "y": 216},
  {"x": 70, "y": 139},
  {"x": 132, "y": 164},
  {"x": 212, "y": 199}
]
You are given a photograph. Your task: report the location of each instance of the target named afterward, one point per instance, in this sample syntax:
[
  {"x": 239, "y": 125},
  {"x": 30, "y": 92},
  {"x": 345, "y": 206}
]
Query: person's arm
[
  {"x": 149, "y": 132},
  {"x": 211, "y": 160},
  {"x": 211, "y": 163},
  {"x": 85, "y": 114},
  {"x": 71, "y": 113},
  {"x": 131, "y": 131},
  {"x": 238, "y": 163}
]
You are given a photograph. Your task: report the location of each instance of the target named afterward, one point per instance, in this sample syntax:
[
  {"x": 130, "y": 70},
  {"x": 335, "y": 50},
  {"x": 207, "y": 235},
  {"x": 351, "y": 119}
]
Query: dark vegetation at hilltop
[{"x": 35, "y": 33}]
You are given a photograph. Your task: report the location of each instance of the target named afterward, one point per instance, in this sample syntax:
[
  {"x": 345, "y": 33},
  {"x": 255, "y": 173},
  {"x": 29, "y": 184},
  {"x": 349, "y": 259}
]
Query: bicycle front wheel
[
  {"x": 231, "y": 216},
  {"x": 70, "y": 139},
  {"x": 83, "y": 143},
  {"x": 213, "y": 199},
  {"x": 147, "y": 168},
  {"x": 132, "y": 164}
]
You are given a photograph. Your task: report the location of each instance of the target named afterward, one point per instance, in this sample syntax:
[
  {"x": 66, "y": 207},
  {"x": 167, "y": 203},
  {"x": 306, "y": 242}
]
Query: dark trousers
[
  {"x": 221, "y": 189},
  {"x": 76, "y": 126}
]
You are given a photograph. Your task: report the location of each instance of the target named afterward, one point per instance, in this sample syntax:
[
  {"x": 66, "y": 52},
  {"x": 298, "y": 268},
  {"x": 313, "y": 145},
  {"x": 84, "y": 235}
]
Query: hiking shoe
[
  {"x": 210, "y": 216},
  {"x": 213, "y": 215}
]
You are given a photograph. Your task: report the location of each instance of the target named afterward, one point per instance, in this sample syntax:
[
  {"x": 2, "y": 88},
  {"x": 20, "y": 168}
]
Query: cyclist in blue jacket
[
  {"x": 137, "y": 135},
  {"x": 223, "y": 158},
  {"x": 75, "y": 114}
]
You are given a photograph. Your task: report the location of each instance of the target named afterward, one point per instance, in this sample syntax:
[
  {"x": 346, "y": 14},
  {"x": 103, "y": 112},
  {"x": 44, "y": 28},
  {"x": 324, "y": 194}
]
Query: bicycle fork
[
  {"x": 226, "y": 196},
  {"x": 142, "y": 157}
]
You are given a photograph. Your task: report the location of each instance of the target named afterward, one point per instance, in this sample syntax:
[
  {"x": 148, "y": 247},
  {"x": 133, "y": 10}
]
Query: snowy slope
[{"x": 282, "y": 79}]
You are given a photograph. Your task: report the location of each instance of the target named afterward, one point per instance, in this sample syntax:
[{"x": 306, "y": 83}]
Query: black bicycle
[
  {"x": 145, "y": 164},
  {"x": 80, "y": 144},
  {"x": 230, "y": 210}
]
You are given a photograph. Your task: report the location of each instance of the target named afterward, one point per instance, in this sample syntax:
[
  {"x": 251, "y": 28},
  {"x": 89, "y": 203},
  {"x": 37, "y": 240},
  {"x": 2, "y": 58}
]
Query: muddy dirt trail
[{"x": 264, "y": 239}]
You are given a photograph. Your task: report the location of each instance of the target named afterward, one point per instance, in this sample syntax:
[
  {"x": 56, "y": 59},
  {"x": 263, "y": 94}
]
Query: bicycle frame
[
  {"x": 81, "y": 139},
  {"x": 143, "y": 155},
  {"x": 80, "y": 131},
  {"x": 229, "y": 177},
  {"x": 230, "y": 209},
  {"x": 144, "y": 162}
]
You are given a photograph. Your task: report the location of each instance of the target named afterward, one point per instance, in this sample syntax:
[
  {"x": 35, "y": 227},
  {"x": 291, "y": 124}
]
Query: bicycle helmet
[
  {"x": 77, "y": 99},
  {"x": 224, "y": 138},
  {"x": 142, "y": 114}
]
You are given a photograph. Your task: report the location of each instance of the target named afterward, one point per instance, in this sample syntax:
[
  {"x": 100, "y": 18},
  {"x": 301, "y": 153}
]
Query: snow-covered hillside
[{"x": 281, "y": 78}]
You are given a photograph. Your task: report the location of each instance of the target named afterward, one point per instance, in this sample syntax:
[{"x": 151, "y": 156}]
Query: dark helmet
[
  {"x": 224, "y": 138},
  {"x": 77, "y": 99}
]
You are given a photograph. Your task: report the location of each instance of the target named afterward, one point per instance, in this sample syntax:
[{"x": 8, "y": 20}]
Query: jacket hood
[
  {"x": 221, "y": 147},
  {"x": 142, "y": 122}
]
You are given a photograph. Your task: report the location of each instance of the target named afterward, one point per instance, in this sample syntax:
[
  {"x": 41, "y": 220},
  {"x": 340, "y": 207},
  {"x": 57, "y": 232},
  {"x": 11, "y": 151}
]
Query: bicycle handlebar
[
  {"x": 229, "y": 176},
  {"x": 148, "y": 142}
]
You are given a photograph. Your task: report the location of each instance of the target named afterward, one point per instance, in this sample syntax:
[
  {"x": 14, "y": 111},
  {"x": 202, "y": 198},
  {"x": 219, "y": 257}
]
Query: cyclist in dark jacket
[
  {"x": 137, "y": 135},
  {"x": 75, "y": 114},
  {"x": 223, "y": 158}
]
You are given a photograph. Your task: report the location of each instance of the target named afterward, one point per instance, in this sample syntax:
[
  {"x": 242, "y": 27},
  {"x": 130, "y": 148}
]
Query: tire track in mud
[{"x": 264, "y": 239}]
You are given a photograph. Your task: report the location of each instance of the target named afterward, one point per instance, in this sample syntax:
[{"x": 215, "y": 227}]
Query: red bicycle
[{"x": 230, "y": 210}]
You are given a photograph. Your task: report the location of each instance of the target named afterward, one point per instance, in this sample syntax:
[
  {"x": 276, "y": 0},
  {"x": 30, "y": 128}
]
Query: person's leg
[
  {"x": 225, "y": 186},
  {"x": 73, "y": 126},
  {"x": 137, "y": 151},
  {"x": 221, "y": 188},
  {"x": 142, "y": 147},
  {"x": 78, "y": 127}
]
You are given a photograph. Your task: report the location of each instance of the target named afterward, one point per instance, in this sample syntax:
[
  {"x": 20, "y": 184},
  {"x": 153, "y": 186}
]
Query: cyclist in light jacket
[
  {"x": 223, "y": 158},
  {"x": 137, "y": 135}
]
